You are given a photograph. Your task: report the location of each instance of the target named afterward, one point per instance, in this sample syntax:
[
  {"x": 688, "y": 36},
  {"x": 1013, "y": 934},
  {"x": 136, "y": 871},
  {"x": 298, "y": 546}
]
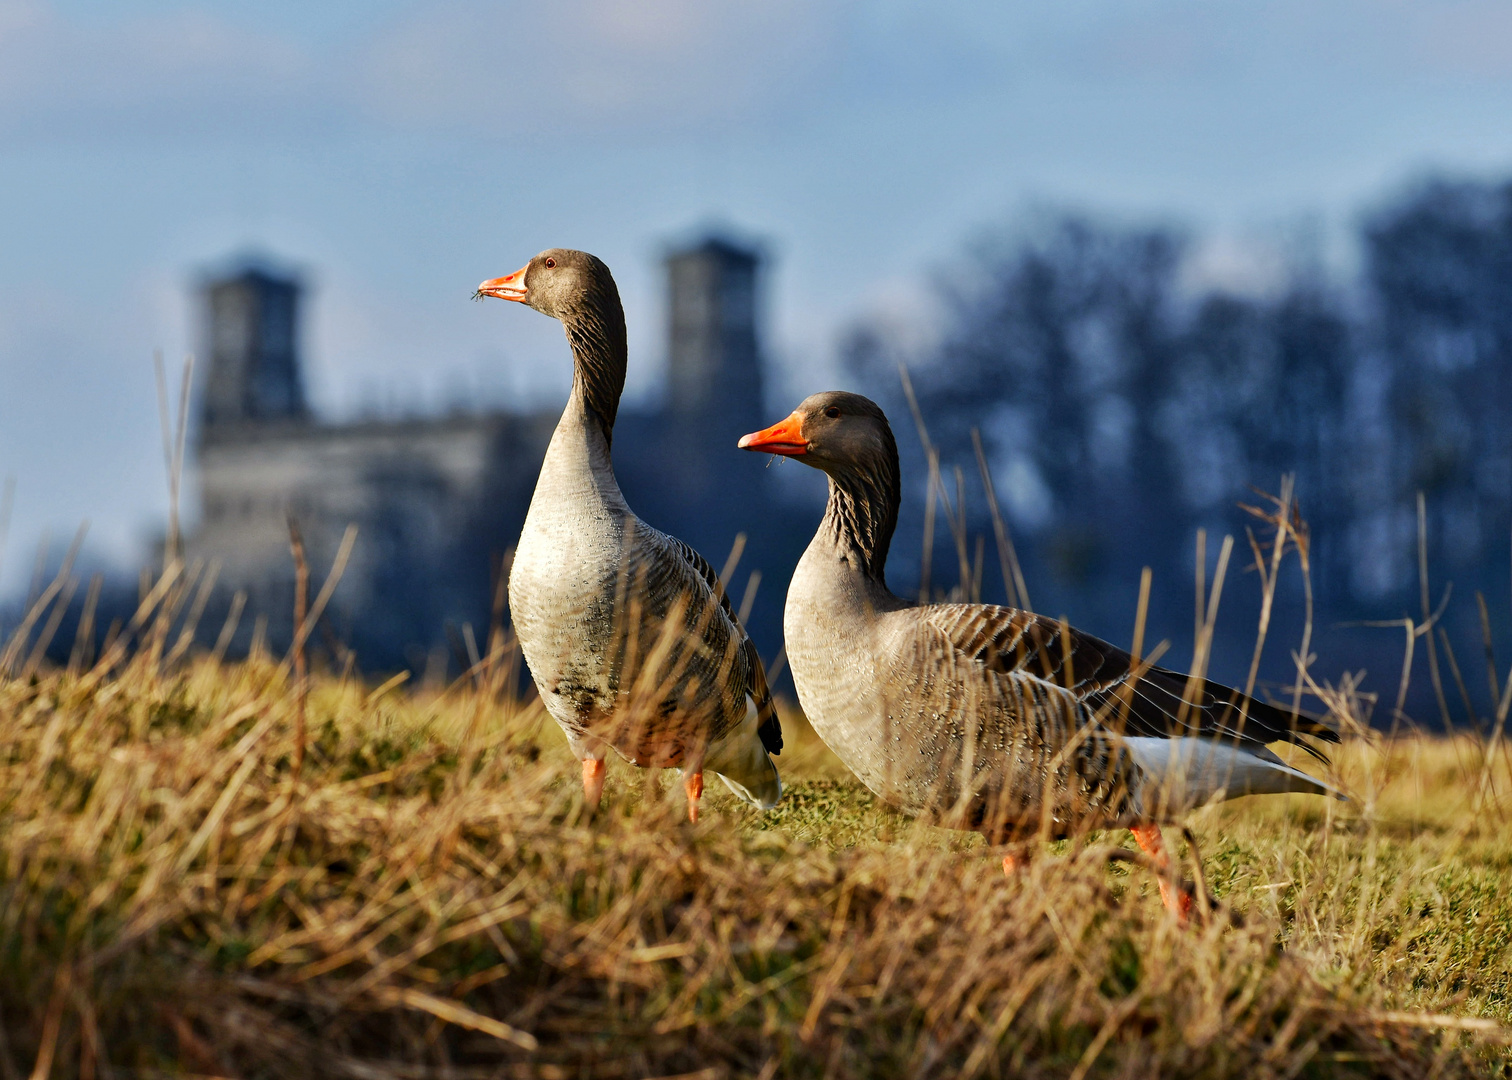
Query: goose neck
[
  {"x": 861, "y": 515},
  {"x": 596, "y": 331}
]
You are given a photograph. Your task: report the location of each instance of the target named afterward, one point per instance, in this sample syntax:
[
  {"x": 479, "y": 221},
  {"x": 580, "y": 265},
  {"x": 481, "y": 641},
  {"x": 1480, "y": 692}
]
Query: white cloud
[
  {"x": 1297, "y": 41},
  {"x": 1469, "y": 39},
  {"x": 630, "y": 64},
  {"x": 678, "y": 66},
  {"x": 635, "y": 65},
  {"x": 180, "y": 71}
]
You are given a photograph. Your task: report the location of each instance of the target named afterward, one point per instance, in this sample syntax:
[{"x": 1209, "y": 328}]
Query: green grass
[{"x": 427, "y": 898}]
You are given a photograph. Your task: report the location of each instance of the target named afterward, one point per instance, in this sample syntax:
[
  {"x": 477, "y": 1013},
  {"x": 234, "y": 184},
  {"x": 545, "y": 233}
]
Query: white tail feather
[
  {"x": 742, "y": 763},
  {"x": 1182, "y": 773}
]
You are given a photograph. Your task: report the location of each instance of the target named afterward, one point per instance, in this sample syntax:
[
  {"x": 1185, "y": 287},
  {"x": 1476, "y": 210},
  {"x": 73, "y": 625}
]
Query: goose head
[
  {"x": 834, "y": 431},
  {"x": 557, "y": 282},
  {"x": 847, "y": 437},
  {"x": 577, "y": 290}
]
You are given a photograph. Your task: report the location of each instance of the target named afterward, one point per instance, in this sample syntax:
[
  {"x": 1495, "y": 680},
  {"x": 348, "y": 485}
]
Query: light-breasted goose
[
  {"x": 989, "y": 718},
  {"x": 627, "y": 631}
]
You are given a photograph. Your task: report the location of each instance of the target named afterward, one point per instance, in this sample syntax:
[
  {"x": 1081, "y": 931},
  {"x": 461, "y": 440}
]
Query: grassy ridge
[{"x": 426, "y": 898}]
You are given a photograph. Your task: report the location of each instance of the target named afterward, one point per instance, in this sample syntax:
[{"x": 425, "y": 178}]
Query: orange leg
[
  {"x": 593, "y": 782},
  {"x": 1013, "y": 862},
  {"x": 693, "y": 785},
  {"x": 1151, "y": 842}
]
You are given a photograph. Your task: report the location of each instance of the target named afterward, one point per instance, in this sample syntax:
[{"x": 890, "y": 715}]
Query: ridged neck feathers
[
  {"x": 862, "y": 512},
  {"x": 594, "y": 321}
]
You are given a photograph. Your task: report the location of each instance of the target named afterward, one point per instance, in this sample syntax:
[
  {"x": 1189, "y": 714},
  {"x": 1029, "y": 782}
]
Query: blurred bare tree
[
  {"x": 1123, "y": 409},
  {"x": 1439, "y": 264}
]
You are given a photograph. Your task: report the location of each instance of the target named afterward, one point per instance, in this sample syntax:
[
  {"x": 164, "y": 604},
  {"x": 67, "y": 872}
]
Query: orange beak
[
  {"x": 784, "y": 437},
  {"x": 508, "y": 287}
]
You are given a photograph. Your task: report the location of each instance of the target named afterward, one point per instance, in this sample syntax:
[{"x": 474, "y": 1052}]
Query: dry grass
[
  {"x": 239, "y": 870},
  {"x": 426, "y": 899}
]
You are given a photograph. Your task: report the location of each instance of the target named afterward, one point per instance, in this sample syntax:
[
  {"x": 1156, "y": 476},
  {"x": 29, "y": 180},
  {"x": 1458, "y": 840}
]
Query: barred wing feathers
[
  {"x": 770, "y": 727},
  {"x": 1099, "y": 679}
]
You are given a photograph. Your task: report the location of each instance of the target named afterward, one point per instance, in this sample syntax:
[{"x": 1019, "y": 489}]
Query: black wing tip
[
  {"x": 1296, "y": 728},
  {"x": 1295, "y": 724},
  {"x": 1266, "y": 721},
  {"x": 1322, "y": 731},
  {"x": 770, "y": 733}
]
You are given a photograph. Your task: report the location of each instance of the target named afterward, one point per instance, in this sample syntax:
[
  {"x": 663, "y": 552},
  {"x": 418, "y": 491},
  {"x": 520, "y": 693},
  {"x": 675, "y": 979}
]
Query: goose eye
[
  {"x": 550, "y": 264},
  {"x": 833, "y": 412}
]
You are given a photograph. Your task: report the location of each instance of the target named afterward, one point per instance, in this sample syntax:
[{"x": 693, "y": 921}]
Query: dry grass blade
[
  {"x": 1013, "y": 574},
  {"x": 306, "y": 626},
  {"x": 118, "y": 643},
  {"x": 175, "y": 434},
  {"x": 44, "y": 639},
  {"x": 453, "y": 1013},
  {"x": 228, "y": 628},
  {"x": 1485, "y": 622},
  {"x": 43, "y": 599},
  {"x": 1440, "y": 1020},
  {"x": 83, "y": 647},
  {"x": 933, "y": 459},
  {"x": 1428, "y": 619},
  {"x": 301, "y": 635},
  {"x": 1207, "y": 616},
  {"x": 1269, "y": 575}
]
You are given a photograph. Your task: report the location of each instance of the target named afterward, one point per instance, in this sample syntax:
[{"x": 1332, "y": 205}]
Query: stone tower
[
  {"x": 253, "y": 349},
  {"x": 714, "y": 361}
]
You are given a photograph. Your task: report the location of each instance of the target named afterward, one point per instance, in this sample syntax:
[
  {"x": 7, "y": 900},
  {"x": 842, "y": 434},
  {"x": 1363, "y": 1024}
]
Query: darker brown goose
[{"x": 986, "y": 717}]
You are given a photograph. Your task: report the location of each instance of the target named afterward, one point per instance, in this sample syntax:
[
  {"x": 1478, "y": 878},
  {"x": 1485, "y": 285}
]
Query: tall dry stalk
[
  {"x": 43, "y": 598},
  {"x": 1269, "y": 571},
  {"x": 1008, "y": 562},
  {"x": 301, "y": 636},
  {"x": 174, "y": 426},
  {"x": 306, "y": 617},
  {"x": 1433, "y": 668},
  {"x": 175, "y": 431},
  {"x": 84, "y": 637}
]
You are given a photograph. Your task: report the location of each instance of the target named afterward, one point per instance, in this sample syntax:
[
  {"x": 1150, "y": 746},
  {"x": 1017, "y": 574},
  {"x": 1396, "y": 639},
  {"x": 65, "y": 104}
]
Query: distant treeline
[{"x": 1122, "y": 410}]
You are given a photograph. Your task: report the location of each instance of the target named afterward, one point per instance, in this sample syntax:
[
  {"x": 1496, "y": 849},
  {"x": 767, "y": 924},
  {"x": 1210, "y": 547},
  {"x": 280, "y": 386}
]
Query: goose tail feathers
[
  {"x": 1181, "y": 773},
  {"x": 740, "y": 759}
]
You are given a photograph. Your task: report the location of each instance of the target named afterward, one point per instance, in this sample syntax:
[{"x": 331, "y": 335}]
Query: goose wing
[
  {"x": 769, "y": 727},
  {"x": 1052, "y": 661}
]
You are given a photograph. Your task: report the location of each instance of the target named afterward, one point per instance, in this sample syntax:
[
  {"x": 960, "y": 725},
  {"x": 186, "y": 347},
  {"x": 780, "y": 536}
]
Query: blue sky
[{"x": 400, "y": 152}]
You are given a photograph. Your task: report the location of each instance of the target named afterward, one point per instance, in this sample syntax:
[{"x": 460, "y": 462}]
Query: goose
[
  {"x": 990, "y": 718},
  {"x": 627, "y": 632}
]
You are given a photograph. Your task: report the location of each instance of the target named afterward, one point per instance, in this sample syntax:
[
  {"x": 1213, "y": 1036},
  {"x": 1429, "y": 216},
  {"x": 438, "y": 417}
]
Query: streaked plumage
[
  {"x": 627, "y": 631},
  {"x": 986, "y": 717}
]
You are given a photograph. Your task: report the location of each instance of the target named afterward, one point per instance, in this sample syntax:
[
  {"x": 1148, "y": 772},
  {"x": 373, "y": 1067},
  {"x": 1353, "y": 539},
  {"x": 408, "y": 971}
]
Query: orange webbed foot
[
  {"x": 1177, "y": 899},
  {"x": 693, "y": 785},
  {"x": 593, "y": 782}
]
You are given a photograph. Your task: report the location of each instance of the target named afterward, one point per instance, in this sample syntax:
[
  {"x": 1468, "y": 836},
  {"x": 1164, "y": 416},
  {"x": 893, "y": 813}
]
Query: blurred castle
[{"x": 438, "y": 501}]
